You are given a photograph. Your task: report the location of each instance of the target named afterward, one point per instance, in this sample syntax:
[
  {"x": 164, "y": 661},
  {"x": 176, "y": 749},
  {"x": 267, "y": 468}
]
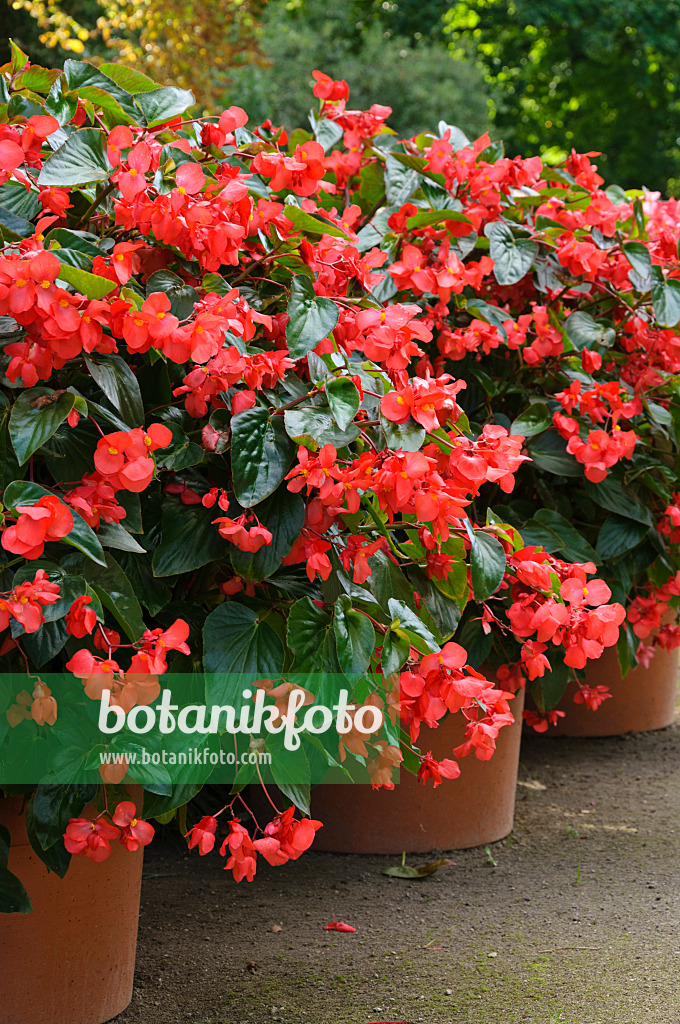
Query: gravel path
[{"x": 572, "y": 919}]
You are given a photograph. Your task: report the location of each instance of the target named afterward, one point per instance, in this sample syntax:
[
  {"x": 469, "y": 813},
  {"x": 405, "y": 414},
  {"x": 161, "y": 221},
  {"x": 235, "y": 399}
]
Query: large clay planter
[
  {"x": 72, "y": 960},
  {"x": 475, "y": 809},
  {"x": 641, "y": 701}
]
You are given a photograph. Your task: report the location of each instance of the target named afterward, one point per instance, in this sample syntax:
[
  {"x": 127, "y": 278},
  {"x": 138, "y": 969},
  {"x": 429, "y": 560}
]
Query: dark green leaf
[
  {"x": 354, "y": 636},
  {"x": 549, "y": 452},
  {"x": 395, "y": 652},
  {"x": 404, "y": 618},
  {"x": 45, "y": 644},
  {"x": 428, "y": 217},
  {"x": 182, "y": 296},
  {"x": 573, "y": 545},
  {"x": 9, "y": 467},
  {"x": 343, "y": 398},
  {"x": 116, "y": 593},
  {"x": 312, "y": 318},
  {"x": 56, "y": 857},
  {"x": 181, "y": 453},
  {"x": 610, "y": 494},
  {"x": 236, "y": 641},
  {"x": 52, "y": 808},
  {"x": 533, "y": 420},
  {"x": 119, "y": 384},
  {"x": 619, "y": 534},
  {"x": 36, "y": 415},
  {"x": 487, "y": 564},
  {"x": 261, "y": 455},
  {"x": 188, "y": 539}
]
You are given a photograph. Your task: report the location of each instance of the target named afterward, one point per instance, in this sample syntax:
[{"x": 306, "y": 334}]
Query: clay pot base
[
  {"x": 642, "y": 701},
  {"x": 72, "y": 960},
  {"x": 473, "y": 810}
]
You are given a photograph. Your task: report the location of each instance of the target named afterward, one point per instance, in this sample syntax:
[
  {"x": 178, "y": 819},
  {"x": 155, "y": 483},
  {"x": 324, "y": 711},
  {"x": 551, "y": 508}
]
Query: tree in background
[
  {"x": 192, "y": 43},
  {"x": 417, "y": 77},
  {"x": 565, "y": 73}
]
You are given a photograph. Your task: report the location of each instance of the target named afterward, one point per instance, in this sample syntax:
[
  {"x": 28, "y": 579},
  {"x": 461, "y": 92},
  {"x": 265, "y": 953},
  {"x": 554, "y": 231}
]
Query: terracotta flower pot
[
  {"x": 72, "y": 960},
  {"x": 475, "y": 809},
  {"x": 641, "y": 701}
]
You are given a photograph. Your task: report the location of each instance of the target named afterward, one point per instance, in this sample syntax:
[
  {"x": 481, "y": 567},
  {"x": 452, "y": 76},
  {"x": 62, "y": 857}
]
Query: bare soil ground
[{"x": 572, "y": 919}]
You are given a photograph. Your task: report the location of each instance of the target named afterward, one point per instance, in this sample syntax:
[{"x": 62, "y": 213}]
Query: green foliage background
[{"x": 544, "y": 75}]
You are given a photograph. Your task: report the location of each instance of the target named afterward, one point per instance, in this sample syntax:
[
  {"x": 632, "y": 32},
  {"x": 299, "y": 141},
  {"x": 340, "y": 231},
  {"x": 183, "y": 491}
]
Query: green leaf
[
  {"x": 116, "y": 593},
  {"x": 312, "y": 318},
  {"x": 549, "y": 451},
  {"x": 183, "y": 297},
  {"x": 13, "y": 897},
  {"x": 428, "y": 217},
  {"x": 163, "y": 104},
  {"x": 261, "y": 454},
  {"x": 113, "y": 535},
  {"x": 236, "y": 641},
  {"x": 387, "y": 581},
  {"x": 395, "y": 652},
  {"x": 188, "y": 539},
  {"x": 119, "y": 384},
  {"x": 18, "y": 57},
  {"x": 36, "y": 415},
  {"x": 639, "y": 257},
  {"x": 90, "y": 84},
  {"x": 513, "y": 257},
  {"x": 9, "y": 467},
  {"x": 181, "y": 453},
  {"x": 611, "y": 495},
  {"x": 487, "y": 564},
  {"x": 56, "y": 857},
  {"x": 665, "y": 298},
  {"x": 585, "y": 332},
  {"x": 14, "y": 227},
  {"x": 82, "y": 537},
  {"x": 308, "y": 224},
  {"x": 45, "y": 643},
  {"x": 283, "y": 514},
  {"x": 343, "y": 398},
  {"x": 407, "y": 436},
  {"x": 316, "y": 427},
  {"x": 328, "y": 133},
  {"x": 311, "y": 638},
  {"x": 52, "y": 808},
  {"x": 444, "y": 610},
  {"x": 129, "y": 79},
  {"x": 403, "y": 617},
  {"x": 80, "y": 160},
  {"x": 18, "y": 200},
  {"x": 87, "y": 284},
  {"x": 400, "y": 181},
  {"x": 574, "y": 545},
  {"x": 533, "y": 420},
  {"x": 354, "y": 637},
  {"x": 619, "y": 534}
]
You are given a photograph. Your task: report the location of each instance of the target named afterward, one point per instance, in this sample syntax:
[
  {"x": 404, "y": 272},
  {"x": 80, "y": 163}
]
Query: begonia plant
[{"x": 234, "y": 437}]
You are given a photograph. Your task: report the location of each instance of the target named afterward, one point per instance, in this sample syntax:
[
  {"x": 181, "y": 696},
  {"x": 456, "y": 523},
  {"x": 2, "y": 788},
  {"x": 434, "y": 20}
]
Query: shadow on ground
[{"x": 572, "y": 919}]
